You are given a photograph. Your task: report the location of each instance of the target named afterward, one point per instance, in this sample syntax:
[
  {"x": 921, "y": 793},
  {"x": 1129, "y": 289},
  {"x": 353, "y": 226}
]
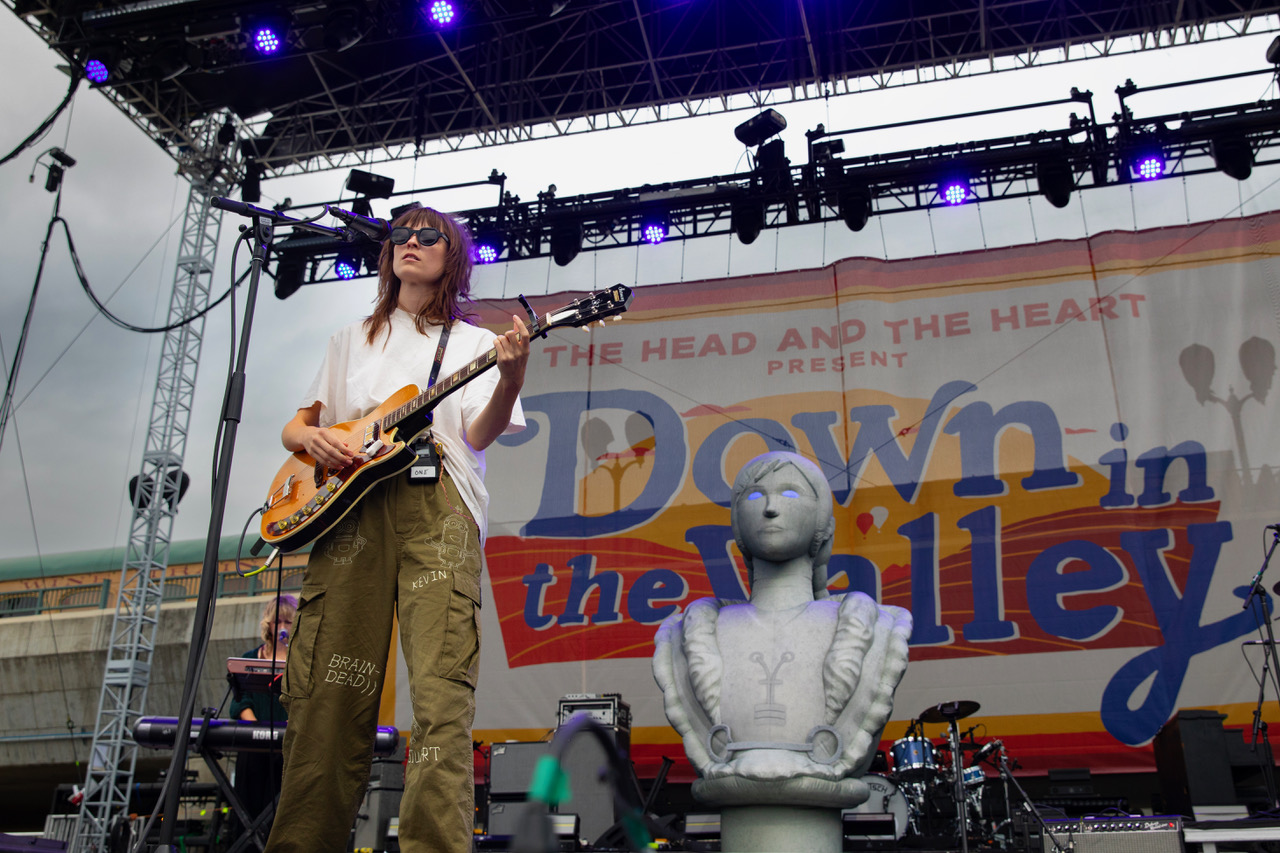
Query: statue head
[{"x": 797, "y": 478}]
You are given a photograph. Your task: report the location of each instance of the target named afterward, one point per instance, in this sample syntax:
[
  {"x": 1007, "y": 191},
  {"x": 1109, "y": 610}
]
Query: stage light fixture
[
  {"x": 1273, "y": 51},
  {"x": 953, "y": 192},
  {"x": 854, "y": 206},
  {"x": 343, "y": 29},
  {"x": 440, "y": 13},
  {"x": 755, "y": 131},
  {"x": 654, "y": 226},
  {"x": 566, "y": 242},
  {"x": 370, "y": 185},
  {"x": 1232, "y": 155},
  {"x": 251, "y": 186},
  {"x": 347, "y": 266},
  {"x": 489, "y": 245},
  {"x": 96, "y": 70},
  {"x": 266, "y": 35},
  {"x": 1146, "y": 161},
  {"x": 289, "y": 273},
  {"x": 746, "y": 219},
  {"x": 1055, "y": 181}
]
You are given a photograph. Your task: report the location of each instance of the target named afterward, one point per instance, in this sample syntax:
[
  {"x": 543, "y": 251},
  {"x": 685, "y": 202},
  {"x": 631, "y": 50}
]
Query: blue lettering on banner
[{"x": 1061, "y": 571}]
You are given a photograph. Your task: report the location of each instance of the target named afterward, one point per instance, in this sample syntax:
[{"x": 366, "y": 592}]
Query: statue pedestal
[{"x": 780, "y": 829}]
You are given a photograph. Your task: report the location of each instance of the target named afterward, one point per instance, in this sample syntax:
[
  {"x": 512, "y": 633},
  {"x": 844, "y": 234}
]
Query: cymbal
[{"x": 945, "y": 712}]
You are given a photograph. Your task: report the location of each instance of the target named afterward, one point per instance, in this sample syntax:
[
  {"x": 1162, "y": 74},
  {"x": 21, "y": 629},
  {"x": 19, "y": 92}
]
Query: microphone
[
  {"x": 375, "y": 229},
  {"x": 1258, "y": 643},
  {"x": 986, "y": 750}
]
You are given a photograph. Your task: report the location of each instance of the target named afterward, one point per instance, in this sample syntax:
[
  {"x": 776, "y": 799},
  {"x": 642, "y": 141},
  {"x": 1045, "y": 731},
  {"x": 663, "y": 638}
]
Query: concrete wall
[{"x": 51, "y": 669}]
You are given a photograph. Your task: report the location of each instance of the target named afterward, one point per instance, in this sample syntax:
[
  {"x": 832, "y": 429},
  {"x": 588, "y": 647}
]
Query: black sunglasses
[{"x": 426, "y": 236}]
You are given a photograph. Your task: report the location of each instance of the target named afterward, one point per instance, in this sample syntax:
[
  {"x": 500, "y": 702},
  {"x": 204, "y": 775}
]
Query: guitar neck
[{"x": 427, "y": 400}]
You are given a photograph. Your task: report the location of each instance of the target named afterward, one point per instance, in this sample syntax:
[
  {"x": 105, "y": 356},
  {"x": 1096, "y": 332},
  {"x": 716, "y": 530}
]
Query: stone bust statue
[{"x": 781, "y": 700}]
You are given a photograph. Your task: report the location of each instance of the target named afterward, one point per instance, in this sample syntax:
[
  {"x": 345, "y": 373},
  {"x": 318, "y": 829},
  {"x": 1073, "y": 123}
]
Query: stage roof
[{"x": 512, "y": 70}]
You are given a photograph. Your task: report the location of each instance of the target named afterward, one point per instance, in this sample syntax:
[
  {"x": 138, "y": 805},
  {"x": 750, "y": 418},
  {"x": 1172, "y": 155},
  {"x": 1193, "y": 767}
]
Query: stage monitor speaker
[
  {"x": 511, "y": 768},
  {"x": 1136, "y": 834}
]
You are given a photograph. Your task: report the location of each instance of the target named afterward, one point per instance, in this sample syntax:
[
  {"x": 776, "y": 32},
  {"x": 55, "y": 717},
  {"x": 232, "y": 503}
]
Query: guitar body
[{"x": 304, "y": 503}]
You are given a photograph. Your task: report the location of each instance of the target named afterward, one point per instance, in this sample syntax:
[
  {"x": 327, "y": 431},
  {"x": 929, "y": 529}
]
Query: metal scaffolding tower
[{"x": 131, "y": 650}]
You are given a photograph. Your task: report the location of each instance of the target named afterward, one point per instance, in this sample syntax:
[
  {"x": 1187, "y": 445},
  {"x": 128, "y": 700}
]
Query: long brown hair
[{"x": 453, "y": 297}]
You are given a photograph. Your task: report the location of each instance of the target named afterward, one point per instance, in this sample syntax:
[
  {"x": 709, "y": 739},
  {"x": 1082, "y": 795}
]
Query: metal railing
[{"x": 30, "y": 602}]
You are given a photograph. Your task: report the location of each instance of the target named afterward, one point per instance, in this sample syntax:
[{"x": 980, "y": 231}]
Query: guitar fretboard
[{"x": 445, "y": 386}]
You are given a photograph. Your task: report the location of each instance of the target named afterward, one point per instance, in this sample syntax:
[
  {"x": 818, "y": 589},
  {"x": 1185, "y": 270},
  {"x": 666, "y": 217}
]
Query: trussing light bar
[{"x": 1053, "y": 164}]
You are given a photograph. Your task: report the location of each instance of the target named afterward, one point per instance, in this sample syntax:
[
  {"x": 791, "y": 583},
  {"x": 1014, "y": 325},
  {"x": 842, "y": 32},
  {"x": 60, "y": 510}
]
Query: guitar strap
[{"x": 427, "y": 467}]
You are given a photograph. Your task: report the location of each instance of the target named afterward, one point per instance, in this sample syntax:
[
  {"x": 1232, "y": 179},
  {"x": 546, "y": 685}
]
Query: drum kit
[{"x": 935, "y": 790}]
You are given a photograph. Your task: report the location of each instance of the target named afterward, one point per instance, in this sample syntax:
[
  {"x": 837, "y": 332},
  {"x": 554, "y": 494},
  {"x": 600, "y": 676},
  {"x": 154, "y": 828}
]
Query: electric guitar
[{"x": 308, "y": 498}]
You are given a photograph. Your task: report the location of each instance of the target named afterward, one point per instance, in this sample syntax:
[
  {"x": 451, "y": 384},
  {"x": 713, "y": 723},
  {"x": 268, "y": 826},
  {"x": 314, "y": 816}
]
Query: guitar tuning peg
[
  {"x": 617, "y": 317},
  {"x": 602, "y": 324}
]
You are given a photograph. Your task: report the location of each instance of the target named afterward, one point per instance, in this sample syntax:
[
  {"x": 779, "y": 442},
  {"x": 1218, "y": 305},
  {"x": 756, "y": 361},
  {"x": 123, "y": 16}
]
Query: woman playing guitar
[{"x": 411, "y": 547}]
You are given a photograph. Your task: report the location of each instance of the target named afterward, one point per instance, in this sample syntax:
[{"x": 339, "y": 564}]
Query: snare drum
[
  {"x": 885, "y": 799},
  {"x": 914, "y": 758}
]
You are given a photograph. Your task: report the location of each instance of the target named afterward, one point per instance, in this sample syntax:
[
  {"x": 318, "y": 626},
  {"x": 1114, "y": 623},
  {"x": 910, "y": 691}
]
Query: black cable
[
  {"x": 102, "y": 309},
  {"x": 43, "y": 127}
]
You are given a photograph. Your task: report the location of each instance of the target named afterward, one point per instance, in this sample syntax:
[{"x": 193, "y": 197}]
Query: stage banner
[{"x": 1059, "y": 457}]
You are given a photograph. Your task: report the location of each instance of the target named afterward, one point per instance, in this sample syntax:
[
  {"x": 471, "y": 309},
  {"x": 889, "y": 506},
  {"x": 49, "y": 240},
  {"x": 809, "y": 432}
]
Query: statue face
[{"x": 779, "y": 515}]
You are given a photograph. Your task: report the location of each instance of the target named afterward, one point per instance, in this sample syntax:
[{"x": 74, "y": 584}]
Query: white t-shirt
[{"x": 355, "y": 378}]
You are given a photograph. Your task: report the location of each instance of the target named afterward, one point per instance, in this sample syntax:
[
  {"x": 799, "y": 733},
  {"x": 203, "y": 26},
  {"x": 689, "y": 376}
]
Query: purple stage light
[
  {"x": 441, "y": 12},
  {"x": 654, "y": 232},
  {"x": 346, "y": 269},
  {"x": 1149, "y": 167},
  {"x": 486, "y": 253},
  {"x": 265, "y": 40},
  {"x": 956, "y": 192},
  {"x": 96, "y": 71}
]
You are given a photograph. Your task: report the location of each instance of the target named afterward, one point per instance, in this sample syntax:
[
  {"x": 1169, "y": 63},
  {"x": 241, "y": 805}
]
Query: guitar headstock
[{"x": 599, "y": 305}]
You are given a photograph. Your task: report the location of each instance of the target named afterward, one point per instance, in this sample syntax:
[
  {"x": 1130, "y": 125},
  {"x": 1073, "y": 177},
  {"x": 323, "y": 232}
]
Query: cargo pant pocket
[
  {"x": 299, "y": 679},
  {"x": 460, "y": 651}
]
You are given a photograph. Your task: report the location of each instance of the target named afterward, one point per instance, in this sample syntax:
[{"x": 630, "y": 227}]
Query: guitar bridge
[{"x": 280, "y": 494}]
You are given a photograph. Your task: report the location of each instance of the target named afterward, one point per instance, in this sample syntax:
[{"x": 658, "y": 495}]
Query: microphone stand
[
  {"x": 1270, "y": 664},
  {"x": 264, "y": 222},
  {"x": 1007, "y": 775}
]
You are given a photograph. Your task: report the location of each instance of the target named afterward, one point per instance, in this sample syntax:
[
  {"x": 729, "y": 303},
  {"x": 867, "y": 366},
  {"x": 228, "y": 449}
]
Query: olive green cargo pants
[{"x": 407, "y": 546}]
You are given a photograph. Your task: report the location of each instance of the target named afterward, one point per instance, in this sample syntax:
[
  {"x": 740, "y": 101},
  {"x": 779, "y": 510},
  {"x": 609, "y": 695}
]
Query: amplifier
[
  {"x": 607, "y": 709},
  {"x": 1129, "y": 834}
]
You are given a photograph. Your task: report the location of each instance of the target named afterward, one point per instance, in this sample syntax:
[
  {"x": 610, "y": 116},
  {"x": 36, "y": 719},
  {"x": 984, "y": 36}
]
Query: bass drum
[{"x": 885, "y": 799}]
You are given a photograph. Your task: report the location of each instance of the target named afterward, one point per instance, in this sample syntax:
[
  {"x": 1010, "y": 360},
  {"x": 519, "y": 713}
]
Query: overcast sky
[{"x": 85, "y": 386}]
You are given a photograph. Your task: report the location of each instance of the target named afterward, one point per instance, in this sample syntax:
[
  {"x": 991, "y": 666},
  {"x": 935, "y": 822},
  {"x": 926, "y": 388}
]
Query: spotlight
[
  {"x": 289, "y": 273},
  {"x": 654, "y": 226},
  {"x": 756, "y": 130},
  {"x": 854, "y": 207},
  {"x": 954, "y": 192},
  {"x": 343, "y": 29},
  {"x": 489, "y": 246},
  {"x": 347, "y": 266},
  {"x": 1232, "y": 155},
  {"x": 96, "y": 70},
  {"x": 251, "y": 186},
  {"x": 439, "y": 13},
  {"x": 267, "y": 36},
  {"x": 566, "y": 242},
  {"x": 1147, "y": 163},
  {"x": 1273, "y": 51},
  {"x": 746, "y": 219},
  {"x": 1055, "y": 181},
  {"x": 370, "y": 185}
]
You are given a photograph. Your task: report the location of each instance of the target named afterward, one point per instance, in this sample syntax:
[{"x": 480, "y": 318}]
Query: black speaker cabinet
[
  {"x": 1136, "y": 834},
  {"x": 511, "y": 768},
  {"x": 1191, "y": 758}
]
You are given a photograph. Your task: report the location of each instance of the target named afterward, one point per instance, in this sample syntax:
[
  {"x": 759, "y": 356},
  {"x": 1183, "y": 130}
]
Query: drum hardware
[{"x": 951, "y": 713}]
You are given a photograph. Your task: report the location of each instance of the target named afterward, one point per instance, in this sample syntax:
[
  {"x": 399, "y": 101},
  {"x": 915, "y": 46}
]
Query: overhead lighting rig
[{"x": 1053, "y": 164}]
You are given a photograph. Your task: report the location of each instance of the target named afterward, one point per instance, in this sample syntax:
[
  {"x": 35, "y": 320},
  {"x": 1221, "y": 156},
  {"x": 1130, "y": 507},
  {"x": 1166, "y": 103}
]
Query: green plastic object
[{"x": 550, "y": 785}]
